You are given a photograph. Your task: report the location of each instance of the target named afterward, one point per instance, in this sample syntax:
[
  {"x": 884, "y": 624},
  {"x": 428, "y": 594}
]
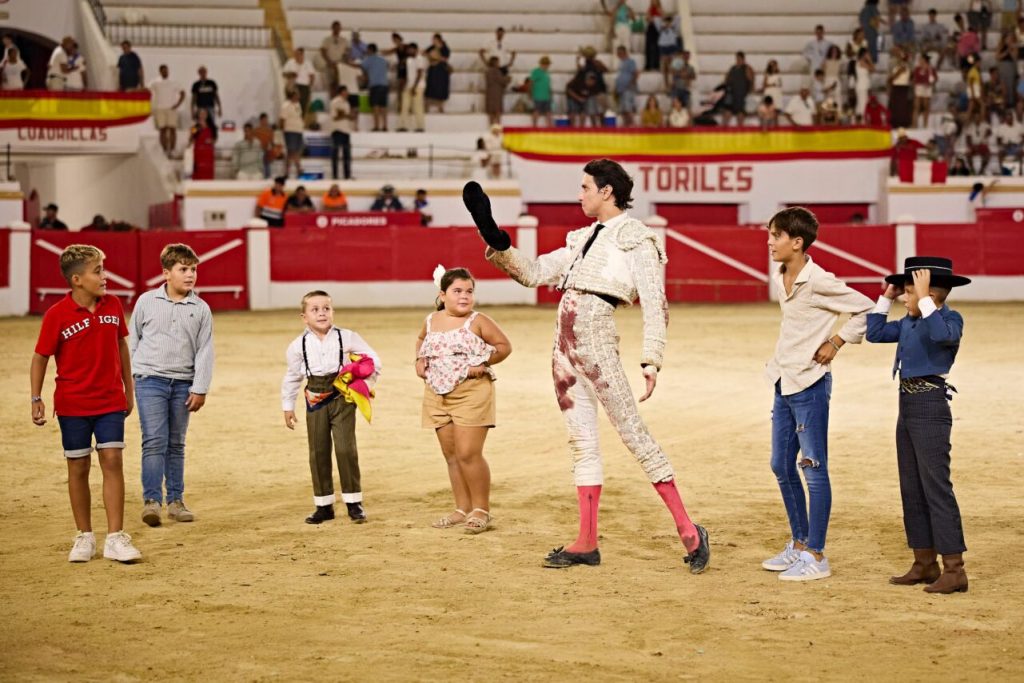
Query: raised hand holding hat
[{"x": 479, "y": 206}]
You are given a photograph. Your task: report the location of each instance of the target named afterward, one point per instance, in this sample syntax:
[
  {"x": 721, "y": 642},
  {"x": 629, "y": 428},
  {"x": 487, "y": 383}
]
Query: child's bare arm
[
  {"x": 421, "y": 363},
  {"x": 493, "y": 335},
  {"x": 36, "y": 375},
  {"x": 126, "y": 374}
]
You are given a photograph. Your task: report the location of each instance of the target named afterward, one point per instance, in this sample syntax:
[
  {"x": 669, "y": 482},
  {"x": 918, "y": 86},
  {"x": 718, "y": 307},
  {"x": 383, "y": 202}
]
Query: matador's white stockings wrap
[{"x": 587, "y": 371}]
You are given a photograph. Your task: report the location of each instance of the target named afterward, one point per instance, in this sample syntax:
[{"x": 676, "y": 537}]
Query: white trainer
[
  {"x": 784, "y": 560},
  {"x": 118, "y": 546},
  {"x": 84, "y": 548},
  {"x": 807, "y": 568}
]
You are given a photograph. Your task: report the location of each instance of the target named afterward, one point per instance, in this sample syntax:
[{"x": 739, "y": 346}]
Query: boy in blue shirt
[{"x": 927, "y": 342}]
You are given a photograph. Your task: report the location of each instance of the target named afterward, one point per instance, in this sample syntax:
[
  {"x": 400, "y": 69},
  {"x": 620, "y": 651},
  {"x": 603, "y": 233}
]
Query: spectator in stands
[
  {"x": 167, "y": 96},
  {"x": 904, "y": 153},
  {"x": 299, "y": 202},
  {"x": 652, "y": 60},
  {"x": 581, "y": 99},
  {"x": 58, "y": 67},
  {"x": 270, "y": 203},
  {"x": 1006, "y": 63},
  {"x": 349, "y": 75},
  {"x": 818, "y": 90},
  {"x": 904, "y": 33},
  {"x": 979, "y": 19},
  {"x": 77, "y": 78},
  {"x": 771, "y": 83},
  {"x": 828, "y": 112},
  {"x": 495, "y": 151},
  {"x": 341, "y": 133},
  {"x": 386, "y": 200},
  {"x": 924, "y": 78},
  {"x": 334, "y": 200},
  {"x": 357, "y": 48},
  {"x": 801, "y": 110},
  {"x": 900, "y": 100},
  {"x": 949, "y": 128},
  {"x": 438, "y": 73},
  {"x": 587, "y": 62},
  {"x": 376, "y": 69},
  {"x": 870, "y": 22},
  {"x": 13, "y": 72},
  {"x": 977, "y": 135},
  {"x": 739, "y": 81},
  {"x": 247, "y": 156},
  {"x": 49, "y": 221},
  {"x": 333, "y": 51},
  {"x": 304, "y": 75},
  {"x": 498, "y": 48},
  {"x": 620, "y": 26},
  {"x": 540, "y": 91},
  {"x": 422, "y": 206},
  {"x": 626, "y": 86},
  {"x": 1009, "y": 137},
  {"x": 205, "y": 96},
  {"x": 960, "y": 167},
  {"x": 669, "y": 42},
  {"x": 401, "y": 76},
  {"x": 865, "y": 66},
  {"x": 203, "y": 138},
  {"x": 678, "y": 115},
  {"x": 969, "y": 44},
  {"x": 98, "y": 224},
  {"x": 495, "y": 82},
  {"x": 652, "y": 116},
  {"x": 816, "y": 49},
  {"x": 412, "y": 110},
  {"x": 976, "y": 109},
  {"x": 129, "y": 69},
  {"x": 264, "y": 133},
  {"x": 292, "y": 124},
  {"x": 934, "y": 38},
  {"x": 876, "y": 114},
  {"x": 995, "y": 95},
  {"x": 683, "y": 76},
  {"x": 833, "y": 68},
  {"x": 767, "y": 113}
]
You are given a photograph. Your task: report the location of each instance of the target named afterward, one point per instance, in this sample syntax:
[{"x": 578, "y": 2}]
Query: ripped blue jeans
[{"x": 800, "y": 428}]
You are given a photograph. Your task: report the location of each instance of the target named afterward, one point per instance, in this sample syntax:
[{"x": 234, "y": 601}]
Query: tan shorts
[
  {"x": 470, "y": 404},
  {"x": 165, "y": 118}
]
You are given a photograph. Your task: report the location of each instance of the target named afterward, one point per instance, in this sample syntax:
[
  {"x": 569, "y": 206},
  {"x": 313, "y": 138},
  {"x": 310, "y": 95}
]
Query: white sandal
[
  {"x": 447, "y": 522},
  {"x": 478, "y": 525}
]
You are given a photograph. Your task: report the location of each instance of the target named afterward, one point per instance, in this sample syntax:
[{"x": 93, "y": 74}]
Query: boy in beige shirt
[{"x": 812, "y": 299}]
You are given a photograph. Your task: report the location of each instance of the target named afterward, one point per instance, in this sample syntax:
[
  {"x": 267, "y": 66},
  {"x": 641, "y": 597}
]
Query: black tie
[{"x": 590, "y": 240}]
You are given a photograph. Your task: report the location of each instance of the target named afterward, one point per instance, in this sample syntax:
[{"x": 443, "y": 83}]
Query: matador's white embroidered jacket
[{"x": 625, "y": 262}]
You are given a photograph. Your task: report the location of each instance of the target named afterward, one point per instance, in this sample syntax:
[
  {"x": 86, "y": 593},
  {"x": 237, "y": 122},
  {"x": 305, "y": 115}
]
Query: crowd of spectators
[{"x": 274, "y": 204}]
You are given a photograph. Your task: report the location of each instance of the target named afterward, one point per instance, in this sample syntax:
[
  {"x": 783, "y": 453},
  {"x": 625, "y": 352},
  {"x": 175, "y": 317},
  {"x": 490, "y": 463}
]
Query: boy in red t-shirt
[{"x": 86, "y": 332}]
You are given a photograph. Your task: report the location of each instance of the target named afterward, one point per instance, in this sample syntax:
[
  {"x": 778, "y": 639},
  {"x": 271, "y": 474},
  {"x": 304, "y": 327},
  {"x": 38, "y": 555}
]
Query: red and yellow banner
[
  {"x": 48, "y": 109},
  {"x": 699, "y": 144}
]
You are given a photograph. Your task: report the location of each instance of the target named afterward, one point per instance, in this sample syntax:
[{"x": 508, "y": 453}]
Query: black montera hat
[{"x": 941, "y": 269}]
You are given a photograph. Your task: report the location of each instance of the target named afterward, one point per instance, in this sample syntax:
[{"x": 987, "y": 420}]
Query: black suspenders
[{"x": 341, "y": 352}]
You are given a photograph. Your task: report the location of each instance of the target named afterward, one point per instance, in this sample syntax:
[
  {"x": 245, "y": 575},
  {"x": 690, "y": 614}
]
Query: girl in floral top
[{"x": 454, "y": 353}]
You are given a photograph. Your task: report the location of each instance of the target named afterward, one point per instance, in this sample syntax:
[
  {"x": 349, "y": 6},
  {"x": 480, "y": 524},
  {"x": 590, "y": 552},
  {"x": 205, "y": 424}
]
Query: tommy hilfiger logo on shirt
[{"x": 82, "y": 325}]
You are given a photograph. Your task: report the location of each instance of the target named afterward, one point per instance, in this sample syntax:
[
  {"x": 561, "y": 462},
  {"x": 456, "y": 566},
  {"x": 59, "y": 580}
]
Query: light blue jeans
[
  {"x": 800, "y": 425},
  {"x": 164, "y": 419}
]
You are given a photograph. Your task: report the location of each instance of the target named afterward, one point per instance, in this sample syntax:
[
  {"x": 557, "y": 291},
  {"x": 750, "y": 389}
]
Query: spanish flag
[
  {"x": 53, "y": 109},
  {"x": 706, "y": 144}
]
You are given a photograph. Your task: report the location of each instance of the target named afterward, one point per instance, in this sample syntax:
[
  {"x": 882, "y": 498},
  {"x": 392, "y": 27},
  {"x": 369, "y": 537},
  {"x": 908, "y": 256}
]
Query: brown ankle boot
[
  {"x": 924, "y": 570},
  {"x": 953, "y": 578}
]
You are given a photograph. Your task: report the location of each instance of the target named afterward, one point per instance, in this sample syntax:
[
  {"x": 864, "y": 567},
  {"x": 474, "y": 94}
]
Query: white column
[
  {"x": 906, "y": 242},
  {"x": 14, "y": 299},
  {"x": 257, "y": 245}
]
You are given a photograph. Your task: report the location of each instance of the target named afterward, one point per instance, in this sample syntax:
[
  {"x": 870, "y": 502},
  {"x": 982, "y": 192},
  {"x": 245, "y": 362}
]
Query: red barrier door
[
  {"x": 48, "y": 285},
  {"x": 222, "y": 279}
]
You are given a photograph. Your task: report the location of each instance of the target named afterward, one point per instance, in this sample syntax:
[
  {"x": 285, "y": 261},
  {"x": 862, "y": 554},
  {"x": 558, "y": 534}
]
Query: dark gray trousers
[
  {"x": 337, "y": 419},
  {"x": 931, "y": 516}
]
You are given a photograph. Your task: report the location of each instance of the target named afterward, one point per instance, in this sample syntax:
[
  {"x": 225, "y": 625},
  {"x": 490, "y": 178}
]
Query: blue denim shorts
[{"x": 76, "y": 433}]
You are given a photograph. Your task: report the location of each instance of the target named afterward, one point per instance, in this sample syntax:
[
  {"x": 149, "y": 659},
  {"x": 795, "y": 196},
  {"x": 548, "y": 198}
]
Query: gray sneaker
[
  {"x": 784, "y": 560},
  {"x": 177, "y": 511},
  {"x": 151, "y": 513}
]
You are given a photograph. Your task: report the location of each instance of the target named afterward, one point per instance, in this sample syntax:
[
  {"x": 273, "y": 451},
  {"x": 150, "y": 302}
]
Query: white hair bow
[{"x": 438, "y": 274}]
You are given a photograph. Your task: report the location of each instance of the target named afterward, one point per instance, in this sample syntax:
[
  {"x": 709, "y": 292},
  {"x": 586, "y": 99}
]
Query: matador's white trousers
[{"x": 587, "y": 371}]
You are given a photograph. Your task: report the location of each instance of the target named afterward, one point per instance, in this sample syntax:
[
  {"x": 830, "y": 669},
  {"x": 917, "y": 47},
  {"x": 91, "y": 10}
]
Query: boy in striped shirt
[{"x": 171, "y": 342}]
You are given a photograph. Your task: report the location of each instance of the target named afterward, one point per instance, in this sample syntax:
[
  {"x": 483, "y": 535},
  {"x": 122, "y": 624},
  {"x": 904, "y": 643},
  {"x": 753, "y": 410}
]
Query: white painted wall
[{"x": 53, "y": 19}]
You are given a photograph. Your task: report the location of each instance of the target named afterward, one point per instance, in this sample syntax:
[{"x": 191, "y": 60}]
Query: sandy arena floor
[{"x": 248, "y": 592}]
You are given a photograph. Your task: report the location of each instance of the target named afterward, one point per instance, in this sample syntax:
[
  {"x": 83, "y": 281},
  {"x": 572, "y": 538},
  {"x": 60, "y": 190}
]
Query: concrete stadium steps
[
  {"x": 185, "y": 15},
  {"x": 448, "y": 20},
  {"x": 797, "y": 8},
  {"x": 394, "y": 6},
  {"x": 181, "y": 4},
  {"x": 752, "y": 25}
]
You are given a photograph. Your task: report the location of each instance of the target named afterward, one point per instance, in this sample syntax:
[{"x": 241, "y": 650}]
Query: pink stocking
[
  {"x": 589, "y": 497},
  {"x": 687, "y": 532}
]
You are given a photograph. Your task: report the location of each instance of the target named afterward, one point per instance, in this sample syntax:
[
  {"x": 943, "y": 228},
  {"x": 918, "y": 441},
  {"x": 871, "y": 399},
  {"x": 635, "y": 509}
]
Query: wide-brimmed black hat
[{"x": 941, "y": 270}]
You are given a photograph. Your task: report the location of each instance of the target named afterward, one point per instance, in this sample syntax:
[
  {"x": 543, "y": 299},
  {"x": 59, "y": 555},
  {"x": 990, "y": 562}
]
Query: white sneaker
[
  {"x": 84, "y": 548},
  {"x": 784, "y": 560},
  {"x": 118, "y": 546},
  {"x": 807, "y": 568}
]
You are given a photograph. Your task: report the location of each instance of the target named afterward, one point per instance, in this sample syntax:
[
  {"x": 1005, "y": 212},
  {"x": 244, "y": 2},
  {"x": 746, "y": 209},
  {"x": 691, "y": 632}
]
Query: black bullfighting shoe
[
  {"x": 559, "y": 558},
  {"x": 699, "y": 558}
]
